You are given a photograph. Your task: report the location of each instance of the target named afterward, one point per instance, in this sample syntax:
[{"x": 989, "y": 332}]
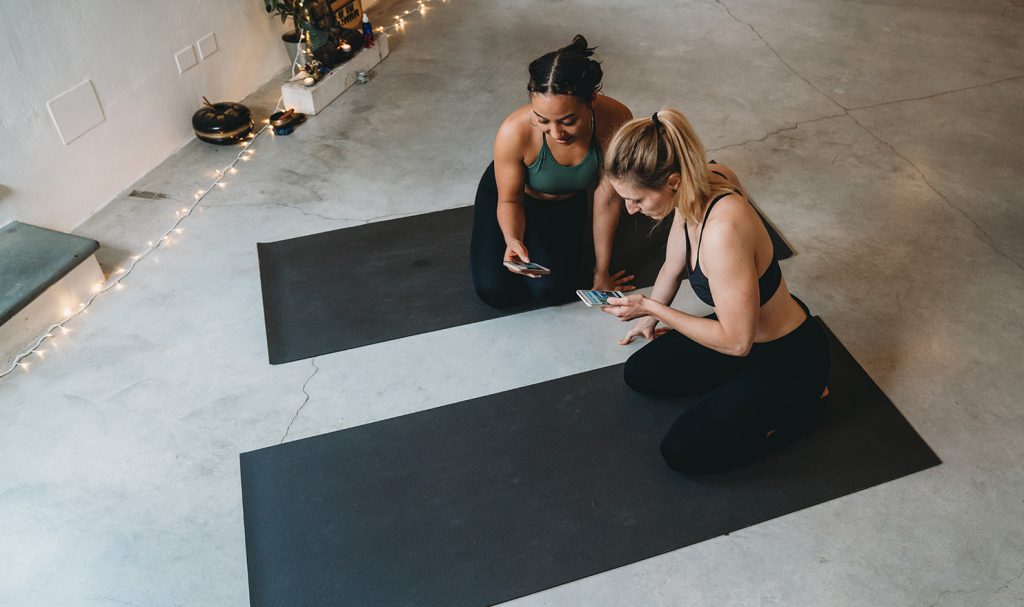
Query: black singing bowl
[{"x": 222, "y": 123}]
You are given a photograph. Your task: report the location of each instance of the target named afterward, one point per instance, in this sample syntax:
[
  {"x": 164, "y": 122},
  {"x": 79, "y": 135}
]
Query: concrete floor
[{"x": 882, "y": 137}]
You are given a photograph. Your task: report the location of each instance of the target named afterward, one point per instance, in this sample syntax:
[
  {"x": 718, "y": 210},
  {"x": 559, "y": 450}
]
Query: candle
[{"x": 345, "y": 46}]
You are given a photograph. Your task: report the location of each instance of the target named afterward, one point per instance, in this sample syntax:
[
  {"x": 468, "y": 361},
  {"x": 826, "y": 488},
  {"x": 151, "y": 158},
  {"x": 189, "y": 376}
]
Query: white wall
[{"x": 126, "y": 48}]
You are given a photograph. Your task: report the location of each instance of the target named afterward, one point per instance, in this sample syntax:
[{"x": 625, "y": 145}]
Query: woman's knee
[
  {"x": 684, "y": 449},
  {"x": 548, "y": 292},
  {"x": 689, "y": 453},
  {"x": 648, "y": 372},
  {"x": 638, "y": 375},
  {"x": 498, "y": 296}
]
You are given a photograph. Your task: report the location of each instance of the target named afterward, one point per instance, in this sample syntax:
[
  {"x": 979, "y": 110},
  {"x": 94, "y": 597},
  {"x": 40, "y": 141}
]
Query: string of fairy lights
[
  {"x": 49, "y": 337},
  {"x": 399, "y": 24},
  {"x": 114, "y": 281}
]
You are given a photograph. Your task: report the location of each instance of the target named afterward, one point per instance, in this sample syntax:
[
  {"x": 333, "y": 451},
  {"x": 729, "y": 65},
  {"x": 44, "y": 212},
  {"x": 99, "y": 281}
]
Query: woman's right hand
[
  {"x": 515, "y": 251},
  {"x": 646, "y": 328}
]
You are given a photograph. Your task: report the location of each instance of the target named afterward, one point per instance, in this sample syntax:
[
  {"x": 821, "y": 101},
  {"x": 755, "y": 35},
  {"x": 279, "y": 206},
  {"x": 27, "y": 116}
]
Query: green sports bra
[{"x": 545, "y": 174}]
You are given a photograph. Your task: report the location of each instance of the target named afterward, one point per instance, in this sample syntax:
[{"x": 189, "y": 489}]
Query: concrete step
[{"x": 44, "y": 275}]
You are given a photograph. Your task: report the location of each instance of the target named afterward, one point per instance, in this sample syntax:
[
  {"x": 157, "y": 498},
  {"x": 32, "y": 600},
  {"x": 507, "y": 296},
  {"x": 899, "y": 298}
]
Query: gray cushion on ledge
[{"x": 32, "y": 259}]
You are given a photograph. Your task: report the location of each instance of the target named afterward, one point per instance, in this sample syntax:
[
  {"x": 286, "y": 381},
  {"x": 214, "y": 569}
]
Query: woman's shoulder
[
  {"x": 611, "y": 109},
  {"x": 516, "y": 129},
  {"x": 611, "y": 114},
  {"x": 733, "y": 218}
]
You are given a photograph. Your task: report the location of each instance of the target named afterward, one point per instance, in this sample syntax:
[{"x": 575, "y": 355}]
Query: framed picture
[{"x": 349, "y": 13}]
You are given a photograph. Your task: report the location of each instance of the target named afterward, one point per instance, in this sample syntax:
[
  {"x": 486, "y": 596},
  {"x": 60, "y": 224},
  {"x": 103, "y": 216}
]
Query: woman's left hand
[{"x": 626, "y": 308}]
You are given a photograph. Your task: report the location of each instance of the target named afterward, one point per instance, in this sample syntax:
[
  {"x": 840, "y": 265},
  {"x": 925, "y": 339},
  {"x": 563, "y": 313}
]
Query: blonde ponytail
[{"x": 646, "y": 151}]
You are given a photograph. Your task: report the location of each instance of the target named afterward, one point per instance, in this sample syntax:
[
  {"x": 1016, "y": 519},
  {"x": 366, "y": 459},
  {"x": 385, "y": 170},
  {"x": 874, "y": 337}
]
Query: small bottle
[{"x": 367, "y": 31}]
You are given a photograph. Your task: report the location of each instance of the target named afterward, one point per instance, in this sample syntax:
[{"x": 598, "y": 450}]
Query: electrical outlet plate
[
  {"x": 207, "y": 45},
  {"x": 75, "y": 112},
  {"x": 185, "y": 58}
]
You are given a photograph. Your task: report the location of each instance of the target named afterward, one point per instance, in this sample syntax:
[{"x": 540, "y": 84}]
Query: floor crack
[
  {"x": 285, "y": 205},
  {"x": 776, "y": 132},
  {"x": 1001, "y": 588},
  {"x": 305, "y": 401},
  {"x": 776, "y": 53},
  {"x": 981, "y": 232},
  {"x": 107, "y": 598},
  {"x": 846, "y": 112},
  {"x": 939, "y": 94}
]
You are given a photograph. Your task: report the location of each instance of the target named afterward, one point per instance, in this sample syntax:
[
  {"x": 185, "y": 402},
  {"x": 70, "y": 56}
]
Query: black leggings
[
  {"x": 749, "y": 405},
  {"x": 554, "y": 236}
]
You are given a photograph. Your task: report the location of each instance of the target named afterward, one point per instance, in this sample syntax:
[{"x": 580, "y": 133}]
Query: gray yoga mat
[
  {"x": 372, "y": 283},
  {"x": 494, "y": 498}
]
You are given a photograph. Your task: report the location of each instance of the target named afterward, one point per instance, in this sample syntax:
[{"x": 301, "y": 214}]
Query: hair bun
[{"x": 578, "y": 46}]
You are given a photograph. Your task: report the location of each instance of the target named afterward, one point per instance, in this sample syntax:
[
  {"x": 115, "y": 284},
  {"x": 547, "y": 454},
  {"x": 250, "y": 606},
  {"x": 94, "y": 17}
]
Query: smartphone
[
  {"x": 527, "y": 266},
  {"x": 598, "y": 298}
]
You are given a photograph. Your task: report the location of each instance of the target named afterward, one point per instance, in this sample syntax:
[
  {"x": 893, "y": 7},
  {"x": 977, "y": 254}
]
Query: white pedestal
[
  {"x": 312, "y": 99},
  {"x": 48, "y": 308}
]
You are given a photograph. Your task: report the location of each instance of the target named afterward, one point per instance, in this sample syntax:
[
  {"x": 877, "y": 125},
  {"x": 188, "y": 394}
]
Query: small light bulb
[
  {"x": 67, "y": 312},
  {"x": 65, "y": 330},
  {"x": 119, "y": 271},
  {"x": 221, "y": 184},
  {"x": 232, "y": 170},
  {"x": 119, "y": 286},
  {"x": 178, "y": 230},
  {"x": 40, "y": 353}
]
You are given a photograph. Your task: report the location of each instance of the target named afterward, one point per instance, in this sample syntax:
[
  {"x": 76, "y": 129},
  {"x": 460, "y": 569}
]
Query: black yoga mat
[
  {"x": 367, "y": 284},
  {"x": 494, "y": 498}
]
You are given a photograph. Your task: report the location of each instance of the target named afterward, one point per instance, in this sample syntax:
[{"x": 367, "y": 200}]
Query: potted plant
[
  {"x": 311, "y": 21},
  {"x": 286, "y": 9}
]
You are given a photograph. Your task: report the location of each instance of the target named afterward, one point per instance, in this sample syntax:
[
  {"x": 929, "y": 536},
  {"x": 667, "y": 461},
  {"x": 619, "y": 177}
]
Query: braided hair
[{"x": 567, "y": 71}]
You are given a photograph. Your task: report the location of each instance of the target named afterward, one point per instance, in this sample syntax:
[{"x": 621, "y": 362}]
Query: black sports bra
[{"x": 768, "y": 283}]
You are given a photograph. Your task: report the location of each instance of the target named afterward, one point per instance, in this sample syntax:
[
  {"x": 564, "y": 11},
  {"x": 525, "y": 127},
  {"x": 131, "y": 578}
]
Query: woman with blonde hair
[{"x": 759, "y": 363}]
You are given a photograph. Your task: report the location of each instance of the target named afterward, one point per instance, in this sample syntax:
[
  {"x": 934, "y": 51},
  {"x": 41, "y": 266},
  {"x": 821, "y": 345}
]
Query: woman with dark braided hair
[
  {"x": 759, "y": 363},
  {"x": 532, "y": 202}
]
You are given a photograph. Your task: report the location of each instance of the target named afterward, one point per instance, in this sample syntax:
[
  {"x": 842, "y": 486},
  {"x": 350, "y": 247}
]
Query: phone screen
[{"x": 597, "y": 298}]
